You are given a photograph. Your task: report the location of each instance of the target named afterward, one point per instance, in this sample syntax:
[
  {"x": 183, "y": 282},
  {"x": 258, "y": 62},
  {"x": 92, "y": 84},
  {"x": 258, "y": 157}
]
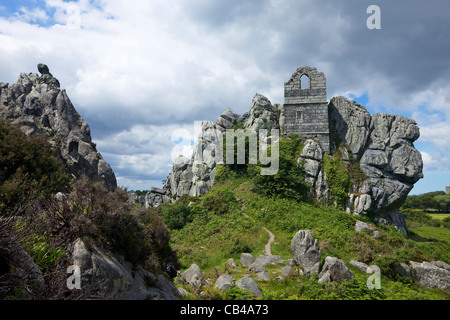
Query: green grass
[
  {"x": 219, "y": 230},
  {"x": 439, "y": 216}
]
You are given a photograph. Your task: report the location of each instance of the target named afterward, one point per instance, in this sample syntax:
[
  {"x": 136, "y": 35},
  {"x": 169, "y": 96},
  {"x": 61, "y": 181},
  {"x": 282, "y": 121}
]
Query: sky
[{"x": 142, "y": 72}]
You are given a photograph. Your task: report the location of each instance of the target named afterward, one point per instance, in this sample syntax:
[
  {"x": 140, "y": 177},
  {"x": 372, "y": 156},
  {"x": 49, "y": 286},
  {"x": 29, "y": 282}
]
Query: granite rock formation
[{"x": 38, "y": 106}]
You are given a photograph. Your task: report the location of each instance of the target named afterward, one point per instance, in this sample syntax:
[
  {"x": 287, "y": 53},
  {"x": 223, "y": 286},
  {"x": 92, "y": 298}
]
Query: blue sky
[{"x": 140, "y": 72}]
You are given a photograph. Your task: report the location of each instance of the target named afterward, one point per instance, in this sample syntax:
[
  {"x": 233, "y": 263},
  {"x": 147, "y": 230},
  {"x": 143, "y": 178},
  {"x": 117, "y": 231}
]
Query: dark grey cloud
[{"x": 167, "y": 64}]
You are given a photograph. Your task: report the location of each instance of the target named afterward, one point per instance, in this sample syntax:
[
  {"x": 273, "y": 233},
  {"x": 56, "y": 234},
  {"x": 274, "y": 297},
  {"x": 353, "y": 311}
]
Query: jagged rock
[
  {"x": 115, "y": 279},
  {"x": 38, "y": 106},
  {"x": 224, "y": 281},
  {"x": 247, "y": 283},
  {"x": 193, "y": 276},
  {"x": 305, "y": 252},
  {"x": 431, "y": 276},
  {"x": 350, "y": 123},
  {"x": 262, "y": 115},
  {"x": 246, "y": 259},
  {"x": 334, "y": 269},
  {"x": 312, "y": 150},
  {"x": 155, "y": 197},
  {"x": 382, "y": 144},
  {"x": 227, "y": 119}
]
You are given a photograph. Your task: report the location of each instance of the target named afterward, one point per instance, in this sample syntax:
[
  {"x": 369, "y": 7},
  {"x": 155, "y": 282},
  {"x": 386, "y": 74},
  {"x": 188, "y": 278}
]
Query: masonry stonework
[{"x": 305, "y": 109}]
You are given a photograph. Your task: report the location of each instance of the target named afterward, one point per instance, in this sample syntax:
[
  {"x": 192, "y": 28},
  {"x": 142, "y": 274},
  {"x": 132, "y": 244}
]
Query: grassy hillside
[{"x": 229, "y": 220}]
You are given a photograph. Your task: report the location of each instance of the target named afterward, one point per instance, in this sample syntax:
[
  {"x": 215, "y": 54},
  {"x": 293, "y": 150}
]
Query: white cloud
[
  {"x": 34, "y": 15},
  {"x": 137, "y": 70}
]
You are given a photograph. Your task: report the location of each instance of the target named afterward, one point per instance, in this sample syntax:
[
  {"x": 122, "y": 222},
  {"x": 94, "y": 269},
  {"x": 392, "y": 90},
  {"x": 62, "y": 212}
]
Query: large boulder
[
  {"x": 305, "y": 252},
  {"x": 246, "y": 259},
  {"x": 334, "y": 269},
  {"x": 247, "y": 283},
  {"x": 430, "y": 275},
  {"x": 113, "y": 278},
  {"x": 224, "y": 281},
  {"x": 38, "y": 106},
  {"x": 350, "y": 123},
  {"x": 193, "y": 276}
]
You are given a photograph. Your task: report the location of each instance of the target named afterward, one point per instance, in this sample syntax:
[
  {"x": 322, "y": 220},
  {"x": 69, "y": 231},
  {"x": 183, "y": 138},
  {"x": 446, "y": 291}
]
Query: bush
[
  {"x": 176, "y": 215},
  {"x": 218, "y": 201},
  {"x": 28, "y": 168},
  {"x": 289, "y": 181},
  {"x": 434, "y": 223},
  {"x": 338, "y": 179}
]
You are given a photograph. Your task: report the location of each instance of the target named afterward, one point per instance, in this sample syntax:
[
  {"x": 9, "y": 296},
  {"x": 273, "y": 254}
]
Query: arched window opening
[{"x": 304, "y": 82}]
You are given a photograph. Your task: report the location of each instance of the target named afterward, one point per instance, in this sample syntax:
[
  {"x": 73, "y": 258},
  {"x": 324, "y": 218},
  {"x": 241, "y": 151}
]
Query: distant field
[{"x": 439, "y": 216}]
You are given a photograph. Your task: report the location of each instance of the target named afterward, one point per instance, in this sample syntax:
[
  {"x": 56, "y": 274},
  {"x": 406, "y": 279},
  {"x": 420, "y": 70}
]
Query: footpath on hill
[{"x": 267, "y": 250}]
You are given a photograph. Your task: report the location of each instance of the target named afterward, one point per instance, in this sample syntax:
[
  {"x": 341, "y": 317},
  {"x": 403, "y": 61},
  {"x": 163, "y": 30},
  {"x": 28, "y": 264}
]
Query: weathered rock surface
[
  {"x": 246, "y": 259},
  {"x": 38, "y": 106},
  {"x": 334, "y": 269},
  {"x": 115, "y": 279},
  {"x": 350, "y": 123},
  {"x": 247, "y": 283},
  {"x": 193, "y": 276},
  {"x": 305, "y": 252},
  {"x": 227, "y": 119},
  {"x": 224, "y": 281},
  {"x": 262, "y": 115},
  {"x": 380, "y": 144},
  {"x": 430, "y": 275}
]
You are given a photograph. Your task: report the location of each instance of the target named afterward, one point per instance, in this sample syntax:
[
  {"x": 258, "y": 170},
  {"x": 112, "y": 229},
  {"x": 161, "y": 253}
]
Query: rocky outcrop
[
  {"x": 38, "y": 106},
  {"x": 262, "y": 115},
  {"x": 379, "y": 148},
  {"x": 305, "y": 252},
  {"x": 430, "y": 275},
  {"x": 382, "y": 146},
  {"x": 334, "y": 269},
  {"x": 112, "y": 278}
]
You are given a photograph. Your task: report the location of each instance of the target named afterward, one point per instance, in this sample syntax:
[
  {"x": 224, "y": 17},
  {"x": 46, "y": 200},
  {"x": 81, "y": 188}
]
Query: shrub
[
  {"x": 289, "y": 181},
  {"x": 28, "y": 168},
  {"x": 338, "y": 179},
  {"x": 176, "y": 215},
  {"x": 218, "y": 201}
]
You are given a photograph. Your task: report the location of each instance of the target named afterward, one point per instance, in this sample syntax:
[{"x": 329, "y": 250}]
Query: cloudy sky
[{"x": 141, "y": 72}]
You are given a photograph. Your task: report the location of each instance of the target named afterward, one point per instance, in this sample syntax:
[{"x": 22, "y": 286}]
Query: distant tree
[{"x": 443, "y": 202}]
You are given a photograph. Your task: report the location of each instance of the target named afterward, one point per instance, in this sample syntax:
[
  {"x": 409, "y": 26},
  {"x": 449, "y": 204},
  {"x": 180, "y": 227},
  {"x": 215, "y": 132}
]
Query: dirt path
[
  {"x": 271, "y": 235},
  {"x": 271, "y": 239}
]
